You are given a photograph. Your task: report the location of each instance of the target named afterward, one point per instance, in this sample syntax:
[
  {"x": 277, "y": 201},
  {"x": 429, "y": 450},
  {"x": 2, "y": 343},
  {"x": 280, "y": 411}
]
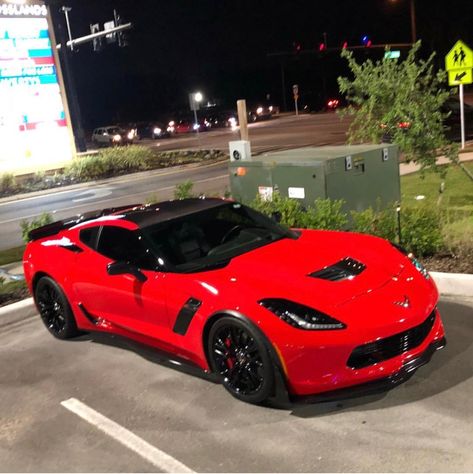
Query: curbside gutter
[{"x": 448, "y": 284}]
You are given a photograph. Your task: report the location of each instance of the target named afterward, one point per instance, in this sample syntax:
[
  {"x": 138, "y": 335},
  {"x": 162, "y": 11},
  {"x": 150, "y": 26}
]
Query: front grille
[
  {"x": 392, "y": 346},
  {"x": 346, "y": 268}
]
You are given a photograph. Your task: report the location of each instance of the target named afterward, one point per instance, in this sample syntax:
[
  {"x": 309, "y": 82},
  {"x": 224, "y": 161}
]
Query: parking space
[{"x": 422, "y": 425}]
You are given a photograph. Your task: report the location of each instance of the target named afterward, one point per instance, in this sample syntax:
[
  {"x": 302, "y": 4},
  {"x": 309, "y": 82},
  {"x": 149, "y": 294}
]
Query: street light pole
[{"x": 413, "y": 21}]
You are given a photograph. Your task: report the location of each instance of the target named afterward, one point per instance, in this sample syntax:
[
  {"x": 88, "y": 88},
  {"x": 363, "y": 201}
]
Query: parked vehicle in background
[
  {"x": 113, "y": 135},
  {"x": 153, "y": 130}
]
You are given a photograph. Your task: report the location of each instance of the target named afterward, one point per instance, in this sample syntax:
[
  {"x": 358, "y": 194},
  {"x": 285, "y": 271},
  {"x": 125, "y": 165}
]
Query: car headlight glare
[
  {"x": 301, "y": 316},
  {"x": 157, "y": 131},
  {"x": 117, "y": 138}
]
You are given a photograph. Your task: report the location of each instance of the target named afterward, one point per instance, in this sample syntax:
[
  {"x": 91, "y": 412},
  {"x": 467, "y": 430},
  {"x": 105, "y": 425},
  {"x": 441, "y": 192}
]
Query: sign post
[
  {"x": 295, "y": 92},
  {"x": 459, "y": 65}
]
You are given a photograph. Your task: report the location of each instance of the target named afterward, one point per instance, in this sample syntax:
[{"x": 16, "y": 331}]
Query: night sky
[{"x": 221, "y": 48}]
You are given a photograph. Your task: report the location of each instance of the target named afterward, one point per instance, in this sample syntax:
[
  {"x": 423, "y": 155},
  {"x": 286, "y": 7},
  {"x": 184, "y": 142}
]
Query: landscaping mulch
[
  {"x": 14, "y": 296},
  {"x": 450, "y": 263}
]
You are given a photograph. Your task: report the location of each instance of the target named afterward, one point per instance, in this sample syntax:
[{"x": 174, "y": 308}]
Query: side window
[
  {"x": 89, "y": 236},
  {"x": 126, "y": 246}
]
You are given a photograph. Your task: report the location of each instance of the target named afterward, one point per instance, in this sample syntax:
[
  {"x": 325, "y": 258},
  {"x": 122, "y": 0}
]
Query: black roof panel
[{"x": 167, "y": 210}]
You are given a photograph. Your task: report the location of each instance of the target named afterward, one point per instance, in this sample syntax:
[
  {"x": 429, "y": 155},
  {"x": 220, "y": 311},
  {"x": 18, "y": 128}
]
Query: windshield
[{"x": 211, "y": 238}]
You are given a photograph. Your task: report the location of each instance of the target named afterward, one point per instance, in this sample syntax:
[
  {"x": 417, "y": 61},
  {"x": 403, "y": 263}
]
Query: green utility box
[{"x": 361, "y": 175}]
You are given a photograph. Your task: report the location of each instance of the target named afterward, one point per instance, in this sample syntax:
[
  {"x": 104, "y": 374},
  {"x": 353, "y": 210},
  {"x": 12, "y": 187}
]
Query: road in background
[
  {"x": 423, "y": 425},
  {"x": 282, "y": 133},
  {"x": 133, "y": 189},
  {"x": 278, "y": 133}
]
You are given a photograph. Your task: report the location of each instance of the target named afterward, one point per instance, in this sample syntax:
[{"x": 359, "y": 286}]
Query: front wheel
[
  {"x": 238, "y": 354},
  {"x": 54, "y": 309}
]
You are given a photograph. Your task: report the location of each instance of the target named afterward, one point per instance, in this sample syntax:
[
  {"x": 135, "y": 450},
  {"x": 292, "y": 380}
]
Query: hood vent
[{"x": 348, "y": 268}]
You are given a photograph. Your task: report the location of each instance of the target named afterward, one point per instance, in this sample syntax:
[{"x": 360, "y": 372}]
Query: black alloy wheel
[
  {"x": 54, "y": 309},
  {"x": 238, "y": 354}
]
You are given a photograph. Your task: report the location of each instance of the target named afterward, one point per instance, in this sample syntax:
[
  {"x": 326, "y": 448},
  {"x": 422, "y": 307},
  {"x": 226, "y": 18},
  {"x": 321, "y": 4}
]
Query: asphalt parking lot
[{"x": 422, "y": 425}]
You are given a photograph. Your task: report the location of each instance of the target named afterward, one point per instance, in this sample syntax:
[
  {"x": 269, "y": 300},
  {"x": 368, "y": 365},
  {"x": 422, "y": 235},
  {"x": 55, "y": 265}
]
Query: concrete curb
[
  {"x": 454, "y": 284},
  {"x": 448, "y": 284}
]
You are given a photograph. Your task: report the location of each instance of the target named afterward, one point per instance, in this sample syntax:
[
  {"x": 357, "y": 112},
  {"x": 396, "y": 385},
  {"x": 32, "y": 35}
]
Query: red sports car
[{"x": 232, "y": 291}]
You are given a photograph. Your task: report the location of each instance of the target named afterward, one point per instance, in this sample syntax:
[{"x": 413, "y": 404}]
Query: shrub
[
  {"x": 326, "y": 214},
  {"x": 380, "y": 222},
  {"x": 7, "y": 183},
  {"x": 421, "y": 229},
  {"x": 28, "y": 226},
  {"x": 111, "y": 162},
  {"x": 184, "y": 190},
  {"x": 288, "y": 211}
]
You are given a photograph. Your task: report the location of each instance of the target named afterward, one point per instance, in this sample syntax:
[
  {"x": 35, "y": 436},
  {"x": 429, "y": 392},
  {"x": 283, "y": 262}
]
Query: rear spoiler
[{"x": 55, "y": 227}]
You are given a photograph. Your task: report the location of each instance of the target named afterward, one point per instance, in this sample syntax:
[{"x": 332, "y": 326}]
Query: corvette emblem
[{"x": 405, "y": 304}]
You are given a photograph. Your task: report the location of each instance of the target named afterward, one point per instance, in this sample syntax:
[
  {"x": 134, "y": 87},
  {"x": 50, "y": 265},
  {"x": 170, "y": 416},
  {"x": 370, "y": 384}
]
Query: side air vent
[{"x": 347, "y": 268}]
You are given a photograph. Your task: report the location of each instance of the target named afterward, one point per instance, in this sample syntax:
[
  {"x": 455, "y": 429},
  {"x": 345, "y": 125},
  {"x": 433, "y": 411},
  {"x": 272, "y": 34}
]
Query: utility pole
[
  {"x": 413, "y": 21},
  {"x": 70, "y": 84}
]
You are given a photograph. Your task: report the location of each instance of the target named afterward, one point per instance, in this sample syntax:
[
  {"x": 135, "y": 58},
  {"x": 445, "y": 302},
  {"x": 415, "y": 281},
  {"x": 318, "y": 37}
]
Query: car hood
[{"x": 282, "y": 269}]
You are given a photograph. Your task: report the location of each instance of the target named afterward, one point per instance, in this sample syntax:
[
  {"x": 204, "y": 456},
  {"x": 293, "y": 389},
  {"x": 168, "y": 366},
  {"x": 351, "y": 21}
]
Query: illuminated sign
[{"x": 34, "y": 130}]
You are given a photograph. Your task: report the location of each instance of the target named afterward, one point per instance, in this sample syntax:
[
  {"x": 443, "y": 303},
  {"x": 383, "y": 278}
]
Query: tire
[
  {"x": 238, "y": 354},
  {"x": 54, "y": 309}
]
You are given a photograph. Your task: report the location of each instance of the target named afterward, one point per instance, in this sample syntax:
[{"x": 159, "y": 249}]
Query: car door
[{"x": 132, "y": 303}]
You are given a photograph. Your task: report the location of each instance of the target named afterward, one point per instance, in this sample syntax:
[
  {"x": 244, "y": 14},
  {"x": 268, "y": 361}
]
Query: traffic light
[
  {"x": 345, "y": 45},
  {"x": 96, "y": 42},
  {"x": 322, "y": 47}
]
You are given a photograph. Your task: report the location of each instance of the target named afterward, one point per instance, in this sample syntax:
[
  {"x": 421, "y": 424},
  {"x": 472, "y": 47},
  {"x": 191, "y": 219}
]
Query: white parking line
[{"x": 158, "y": 458}]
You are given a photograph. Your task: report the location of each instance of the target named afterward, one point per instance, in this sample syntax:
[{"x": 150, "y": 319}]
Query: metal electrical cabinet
[{"x": 361, "y": 175}]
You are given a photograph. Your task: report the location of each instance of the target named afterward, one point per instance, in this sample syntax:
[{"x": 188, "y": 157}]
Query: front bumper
[{"x": 380, "y": 385}]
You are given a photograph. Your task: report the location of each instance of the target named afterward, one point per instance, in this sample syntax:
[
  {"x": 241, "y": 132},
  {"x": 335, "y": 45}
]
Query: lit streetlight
[{"x": 196, "y": 99}]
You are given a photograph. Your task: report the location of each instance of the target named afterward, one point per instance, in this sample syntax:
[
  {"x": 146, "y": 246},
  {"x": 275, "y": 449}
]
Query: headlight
[
  {"x": 196, "y": 126},
  {"x": 270, "y": 108},
  {"x": 300, "y": 316},
  {"x": 157, "y": 131},
  {"x": 172, "y": 123},
  {"x": 117, "y": 138},
  {"x": 259, "y": 110},
  {"x": 422, "y": 270},
  {"x": 131, "y": 135}
]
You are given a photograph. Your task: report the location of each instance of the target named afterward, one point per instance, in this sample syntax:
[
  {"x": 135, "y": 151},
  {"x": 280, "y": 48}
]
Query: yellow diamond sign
[{"x": 459, "y": 57}]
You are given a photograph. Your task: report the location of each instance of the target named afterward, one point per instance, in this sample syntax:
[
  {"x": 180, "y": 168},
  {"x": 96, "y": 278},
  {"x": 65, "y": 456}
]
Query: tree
[{"x": 401, "y": 100}]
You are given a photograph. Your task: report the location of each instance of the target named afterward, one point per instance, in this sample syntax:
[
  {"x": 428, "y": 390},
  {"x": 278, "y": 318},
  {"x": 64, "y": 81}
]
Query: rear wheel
[
  {"x": 238, "y": 354},
  {"x": 54, "y": 309}
]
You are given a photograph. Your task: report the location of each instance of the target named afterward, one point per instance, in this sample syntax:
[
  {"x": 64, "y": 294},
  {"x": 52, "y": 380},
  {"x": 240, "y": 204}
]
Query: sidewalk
[{"x": 409, "y": 168}]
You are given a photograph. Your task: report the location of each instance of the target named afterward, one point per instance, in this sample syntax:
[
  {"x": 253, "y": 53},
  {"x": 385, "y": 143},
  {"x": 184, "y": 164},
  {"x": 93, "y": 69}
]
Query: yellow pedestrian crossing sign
[
  {"x": 459, "y": 57},
  {"x": 459, "y": 64}
]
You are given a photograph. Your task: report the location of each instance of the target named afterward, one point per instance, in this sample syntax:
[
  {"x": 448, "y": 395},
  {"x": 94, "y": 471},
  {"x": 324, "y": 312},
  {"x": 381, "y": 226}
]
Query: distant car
[
  {"x": 260, "y": 112},
  {"x": 264, "y": 308},
  {"x": 188, "y": 125},
  {"x": 220, "y": 118},
  {"x": 153, "y": 130},
  {"x": 113, "y": 135},
  {"x": 451, "y": 122}
]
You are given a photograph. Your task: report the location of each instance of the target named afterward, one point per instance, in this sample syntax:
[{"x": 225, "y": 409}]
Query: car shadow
[
  {"x": 149, "y": 353},
  {"x": 448, "y": 368}
]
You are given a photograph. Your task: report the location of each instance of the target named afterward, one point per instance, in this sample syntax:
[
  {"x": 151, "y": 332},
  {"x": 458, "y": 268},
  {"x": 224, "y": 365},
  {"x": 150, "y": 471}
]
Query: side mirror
[
  {"x": 124, "y": 268},
  {"x": 276, "y": 216}
]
